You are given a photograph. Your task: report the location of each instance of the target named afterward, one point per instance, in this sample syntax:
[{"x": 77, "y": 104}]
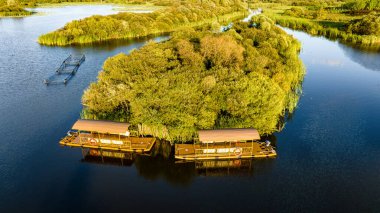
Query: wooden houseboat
[
  {"x": 107, "y": 135},
  {"x": 225, "y": 144}
]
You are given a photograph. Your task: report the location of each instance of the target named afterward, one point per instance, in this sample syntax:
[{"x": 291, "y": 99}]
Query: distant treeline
[
  {"x": 130, "y": 25},
  {"x": 249, "y": 76},
  {"x": 354, "y": 5},
  {"x": 32, "y": 3},
  {"x": 302, "y": 2}
]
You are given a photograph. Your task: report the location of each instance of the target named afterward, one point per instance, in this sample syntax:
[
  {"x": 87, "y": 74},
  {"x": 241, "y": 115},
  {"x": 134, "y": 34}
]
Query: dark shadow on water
[{"x": 160, "y": 164}]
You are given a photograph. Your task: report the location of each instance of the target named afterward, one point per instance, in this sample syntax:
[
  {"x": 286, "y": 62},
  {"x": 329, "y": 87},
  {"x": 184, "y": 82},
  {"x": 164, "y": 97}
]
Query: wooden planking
[
  {"x": 133, "y": 144},
  {"x": 101, "y": 126}
]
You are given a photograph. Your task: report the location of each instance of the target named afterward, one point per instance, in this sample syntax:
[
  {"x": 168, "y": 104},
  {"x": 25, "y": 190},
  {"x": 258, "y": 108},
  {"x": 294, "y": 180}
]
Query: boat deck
[
  {"x": 109, "y": 142},
  {"x": 222, "y": 151}
]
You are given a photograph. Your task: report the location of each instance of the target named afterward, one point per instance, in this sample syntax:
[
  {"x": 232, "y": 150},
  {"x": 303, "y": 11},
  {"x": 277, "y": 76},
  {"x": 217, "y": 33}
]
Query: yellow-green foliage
[
  {"x": 36, "y": 2},
  {"x": 13, "y": 10},
  {"x": 246, "y": 77},
  {"x": 329, "y": 19},
  {"x": 317, "y": 3},
  {"x": 362, "y": 5},
  {"x": 368, "y": 25},
  {"x": 301, "y": 12},
  {"x": 129, "y": 25},
  {"x": 315, "y": 28}
]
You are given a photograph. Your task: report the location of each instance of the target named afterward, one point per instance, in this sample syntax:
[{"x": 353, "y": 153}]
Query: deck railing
[{"x": 110, "y": 141}]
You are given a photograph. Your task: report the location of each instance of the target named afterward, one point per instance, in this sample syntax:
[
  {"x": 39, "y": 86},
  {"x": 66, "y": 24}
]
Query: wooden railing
[{"x": 96, "y": 139}]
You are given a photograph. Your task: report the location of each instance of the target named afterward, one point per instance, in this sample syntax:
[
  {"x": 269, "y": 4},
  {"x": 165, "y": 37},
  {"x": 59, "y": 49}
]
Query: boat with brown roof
[
  {"x": 225, "y": 144},
  {"x": 107, "y": 135}
]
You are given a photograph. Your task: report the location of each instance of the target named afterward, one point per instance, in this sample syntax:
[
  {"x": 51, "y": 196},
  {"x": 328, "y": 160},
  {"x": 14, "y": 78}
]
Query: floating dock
[
  {"x": 66, "y": 71},
  {"x": 225, "y": 144},
  {"x": 106, "y": 135}
]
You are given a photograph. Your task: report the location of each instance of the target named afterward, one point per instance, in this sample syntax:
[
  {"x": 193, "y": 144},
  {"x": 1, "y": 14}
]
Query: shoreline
[
  {"x": 146, "y": 6},
  {"x": 19, "y": 16},
  {"x": 330, "y": 26},
  {"x": 131, "y": 8},
  {"x": 223, "y": 18}
]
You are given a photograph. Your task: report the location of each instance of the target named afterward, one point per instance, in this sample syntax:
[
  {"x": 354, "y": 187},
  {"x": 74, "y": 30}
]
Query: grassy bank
[
  {"x": 333, "y": 22},
  {"x": 119, "y": 6},
  {"x": 13, "y": 11},
  {"x": 16, "y": 8},
  {"x": 199, "y": 79},
  {"x": 129, "y": 25}
]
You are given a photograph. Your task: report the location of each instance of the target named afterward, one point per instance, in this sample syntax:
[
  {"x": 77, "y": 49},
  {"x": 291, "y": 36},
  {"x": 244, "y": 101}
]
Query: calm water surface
[{"x": 328, "y": 154}]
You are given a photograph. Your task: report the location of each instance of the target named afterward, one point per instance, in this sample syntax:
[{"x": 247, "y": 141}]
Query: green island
[
  {"x": 124, "y": 25},
  {"x": 249, "y": 76},
  {"x": 355, "y": 22}
]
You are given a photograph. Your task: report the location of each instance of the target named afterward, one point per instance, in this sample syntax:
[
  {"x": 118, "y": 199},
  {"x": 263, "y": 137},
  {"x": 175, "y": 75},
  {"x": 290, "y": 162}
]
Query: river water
[{"x": 327, "y": 153}]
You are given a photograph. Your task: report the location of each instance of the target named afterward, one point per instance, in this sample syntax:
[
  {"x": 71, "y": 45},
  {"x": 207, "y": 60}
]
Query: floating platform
[
  {"x": 225, "y": 144},
  {"x": 106, "y": 135},
  {"x": 67, "y": 70}
]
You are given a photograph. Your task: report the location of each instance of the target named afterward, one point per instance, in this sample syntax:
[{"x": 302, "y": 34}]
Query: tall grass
[
  {"x": 129, "y": 25},
  {"x": 315, "y": 28}
]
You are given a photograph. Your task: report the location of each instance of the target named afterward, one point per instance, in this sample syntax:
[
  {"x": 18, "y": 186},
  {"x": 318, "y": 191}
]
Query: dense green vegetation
[
  {"x": 12, "y": 8},
  {"x": 368, "y": 25},
  {"x": 245, "y": 77},
  {"x": 357, "y": 5},
  {"x": 333, "y": 20},
  {"x": 129, "y": 25}
]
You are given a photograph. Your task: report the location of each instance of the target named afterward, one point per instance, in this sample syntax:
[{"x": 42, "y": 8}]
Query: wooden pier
[{"x": 66, "y": 71}]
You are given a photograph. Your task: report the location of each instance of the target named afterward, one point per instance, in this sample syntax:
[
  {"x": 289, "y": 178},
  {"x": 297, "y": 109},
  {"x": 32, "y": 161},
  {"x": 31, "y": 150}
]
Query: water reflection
[
  {"x": 107, "y": 157},
  {"x": 367, "y": 58},
  {"x": 160, "y": 164},
  {"x": 232, "y": 167}
]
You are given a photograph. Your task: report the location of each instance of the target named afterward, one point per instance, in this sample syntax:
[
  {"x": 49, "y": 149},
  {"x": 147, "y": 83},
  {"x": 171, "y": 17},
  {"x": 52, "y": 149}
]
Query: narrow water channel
[{"x": 327, "y": 153}]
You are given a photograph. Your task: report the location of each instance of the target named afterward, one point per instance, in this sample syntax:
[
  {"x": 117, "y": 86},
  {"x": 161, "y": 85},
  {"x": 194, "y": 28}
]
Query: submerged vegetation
[
  {"x": 342, "y": 20},
  {"x": 249, "y": 76},
  {"x": 129, "y": 25}
]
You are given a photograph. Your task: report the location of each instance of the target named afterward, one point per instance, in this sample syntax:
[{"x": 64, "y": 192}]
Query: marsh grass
[{"x": 332, "y": 24}]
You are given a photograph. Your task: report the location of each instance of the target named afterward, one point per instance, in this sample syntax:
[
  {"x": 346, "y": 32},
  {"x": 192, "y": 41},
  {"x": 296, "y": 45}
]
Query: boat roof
[
  {"x": 111, "y": 127},
  {"x": 226, "y": 135}
]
